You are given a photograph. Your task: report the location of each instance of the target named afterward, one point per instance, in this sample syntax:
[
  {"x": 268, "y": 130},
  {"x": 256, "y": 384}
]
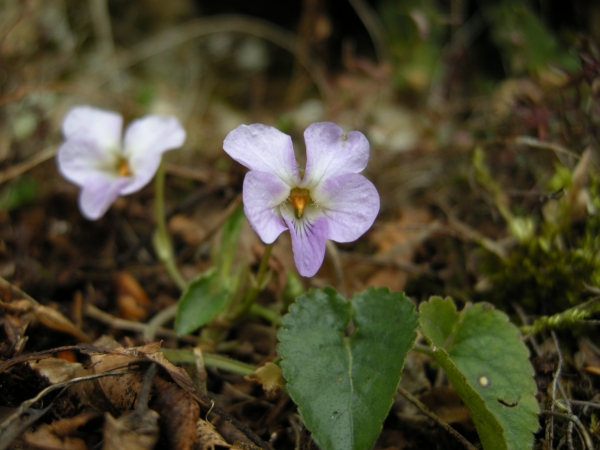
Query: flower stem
[
  {"x": 266, "y": 313},
  {"x": 162, "y": 239},
  {"x": 257, "y": 285}
]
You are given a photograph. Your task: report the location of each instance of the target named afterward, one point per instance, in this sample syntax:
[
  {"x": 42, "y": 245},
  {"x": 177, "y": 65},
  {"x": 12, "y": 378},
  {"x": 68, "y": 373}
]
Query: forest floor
[{"x": 488, "y": 186}]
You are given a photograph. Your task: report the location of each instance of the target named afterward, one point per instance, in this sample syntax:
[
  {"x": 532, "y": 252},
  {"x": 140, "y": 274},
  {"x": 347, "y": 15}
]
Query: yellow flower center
[
  {"x": 299, "y": 198},
  {"x": 123, "y": 168}
]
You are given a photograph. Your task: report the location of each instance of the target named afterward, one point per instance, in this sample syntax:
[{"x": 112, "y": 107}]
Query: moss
[{"x": 549, "y": 272}]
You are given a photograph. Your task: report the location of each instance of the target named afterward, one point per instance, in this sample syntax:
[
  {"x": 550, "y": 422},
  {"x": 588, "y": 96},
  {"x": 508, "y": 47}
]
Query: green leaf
[
  {"x": 523, "y": 40},
  {"x": 489, "y": 366},
  {"x": 438, "y": 317},
  {"x": 203, "y": 300},
  {"x": 344, "y": 386},
  {"x": 22, "y": 192}
]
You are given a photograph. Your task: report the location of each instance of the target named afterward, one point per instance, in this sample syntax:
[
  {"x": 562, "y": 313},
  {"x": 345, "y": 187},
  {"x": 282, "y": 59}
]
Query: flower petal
[
  {"x": 350, "y": 202},
  {"x": 98, "y": 127},
  {"x": 263, "y": 193},
  {"x": 99, "y": 192},
  {"x": 329, "y": 153},
  {"x": 78, "y": 159},
  {"x": 309, "y": 236},
  {"x": 145, "y": 141},
  {"x": 265, "y": 149}
]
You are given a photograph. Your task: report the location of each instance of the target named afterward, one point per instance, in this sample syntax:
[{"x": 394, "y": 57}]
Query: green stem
[
  {"x": 210, "y": 360},
  {"x": 266, "y": 313},
  {"x": 162, "y": 239},
  {"x": 248, "y": 302},
  {"x": 421, "y": 348}
]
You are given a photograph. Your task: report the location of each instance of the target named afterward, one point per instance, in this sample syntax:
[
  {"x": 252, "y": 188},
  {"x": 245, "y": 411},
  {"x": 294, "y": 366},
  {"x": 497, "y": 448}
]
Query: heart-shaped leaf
[
  {"x": 344, "y": 385},
  {"x": 489, "y": 366}
]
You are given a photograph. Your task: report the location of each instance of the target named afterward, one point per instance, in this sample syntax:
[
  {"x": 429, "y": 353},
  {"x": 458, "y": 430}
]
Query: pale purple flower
[
  {"x": 328, "y": 200},
  {"x": 104, "y": 165}
]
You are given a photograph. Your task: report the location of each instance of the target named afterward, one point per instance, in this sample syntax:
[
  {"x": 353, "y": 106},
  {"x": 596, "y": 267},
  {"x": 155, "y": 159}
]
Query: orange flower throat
[
  {"x": 123, "y": 168},
  {"x": 299, "y": 198}
]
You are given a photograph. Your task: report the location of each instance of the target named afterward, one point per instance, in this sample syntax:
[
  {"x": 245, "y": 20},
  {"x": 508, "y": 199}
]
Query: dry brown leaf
[
  {"x": 128, "y": 285},
  {"x": 57, "y": 435},
  {"x": 131, "y": 297},
  {"x": 120, "y": 393},
  {"x": 179, "y": 375},
  {"x": 13, "y": 297},
  {"x": 179, "y": 413},
  {"x": 131, "y": 431},
  {"x": 138, "y": 429},
  {"x": 187, "y": 230},
  {"x": 56, "y": 321},
  {"x": 390, "y": 277},
  {"x": 57, "y": 370},
  {"x": 207, "y": 438},
  {"x": 445, "y": 402},
  {"x": 130, "y": 309},
  {"x": 14, "y": 328},
  {"x": 44, "y": 438}
]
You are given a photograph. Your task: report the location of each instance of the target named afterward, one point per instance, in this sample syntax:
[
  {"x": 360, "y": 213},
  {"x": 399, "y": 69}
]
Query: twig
[
  {"x": 27, "y": 7},
  {"x": 128, "y": 325},
  {"x": 521, "y": 313},
  {"x": 18, "y": 169},
  {"x": 473, "y": 235},
  {"x": 536, "y": 143},
  {"x": 459, "y": 437},
  {"x": 374, "y": 27},
  {"x": 103, "y": 30},
  {"x": 585, "y": 436},
  {"x": 175, "y": 36},
  {"x": 155, "y": 324},
  {"x": 384, "y": 260}
]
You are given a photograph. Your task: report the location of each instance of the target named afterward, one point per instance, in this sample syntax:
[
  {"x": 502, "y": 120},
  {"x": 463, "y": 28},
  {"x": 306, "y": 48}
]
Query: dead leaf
[
  {"x": 138, "y": 429},
  {"x": 59, "y": 434},
  {"x": 128, "y": 285},
  {"x": 188, "y": 230},
  {"x": 179, "y": 413},
  {"x": 56, "y": 321},
  {"x": 445, "y": 402},
  {"x": 57, "y": 370},
  {"x": 207, "y": 438},
  {"x": 120, "y": 394},
  {"x": 15, "y": 297},
  {"x": 131, "y": 431},
  {"x": 14, "y": 328},
  {"x": 178, "y": 374},
  {"x": 44, "y": 438}
]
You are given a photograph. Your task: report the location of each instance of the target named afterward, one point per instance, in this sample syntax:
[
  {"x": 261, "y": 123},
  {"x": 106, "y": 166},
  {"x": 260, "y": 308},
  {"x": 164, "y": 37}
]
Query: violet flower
[
  {"x": 94, "y": 157},
  {"x": 328, "y": 200}
]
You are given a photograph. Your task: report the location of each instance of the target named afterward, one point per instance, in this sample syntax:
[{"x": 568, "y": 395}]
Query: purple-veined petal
[
  {"x": 98, "y": 193},
  {"x": 309, "y": 236},
  {"x": 329, "y": 153},
  {"x": 96, "y": 126},
  {"x": 263, "y": 193},
  {"x": 350, "y": 202},
  {"x": 145, "y": 141},
  {"x": 79, "y": 159},
  {"x": 265, "y": 149}
]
